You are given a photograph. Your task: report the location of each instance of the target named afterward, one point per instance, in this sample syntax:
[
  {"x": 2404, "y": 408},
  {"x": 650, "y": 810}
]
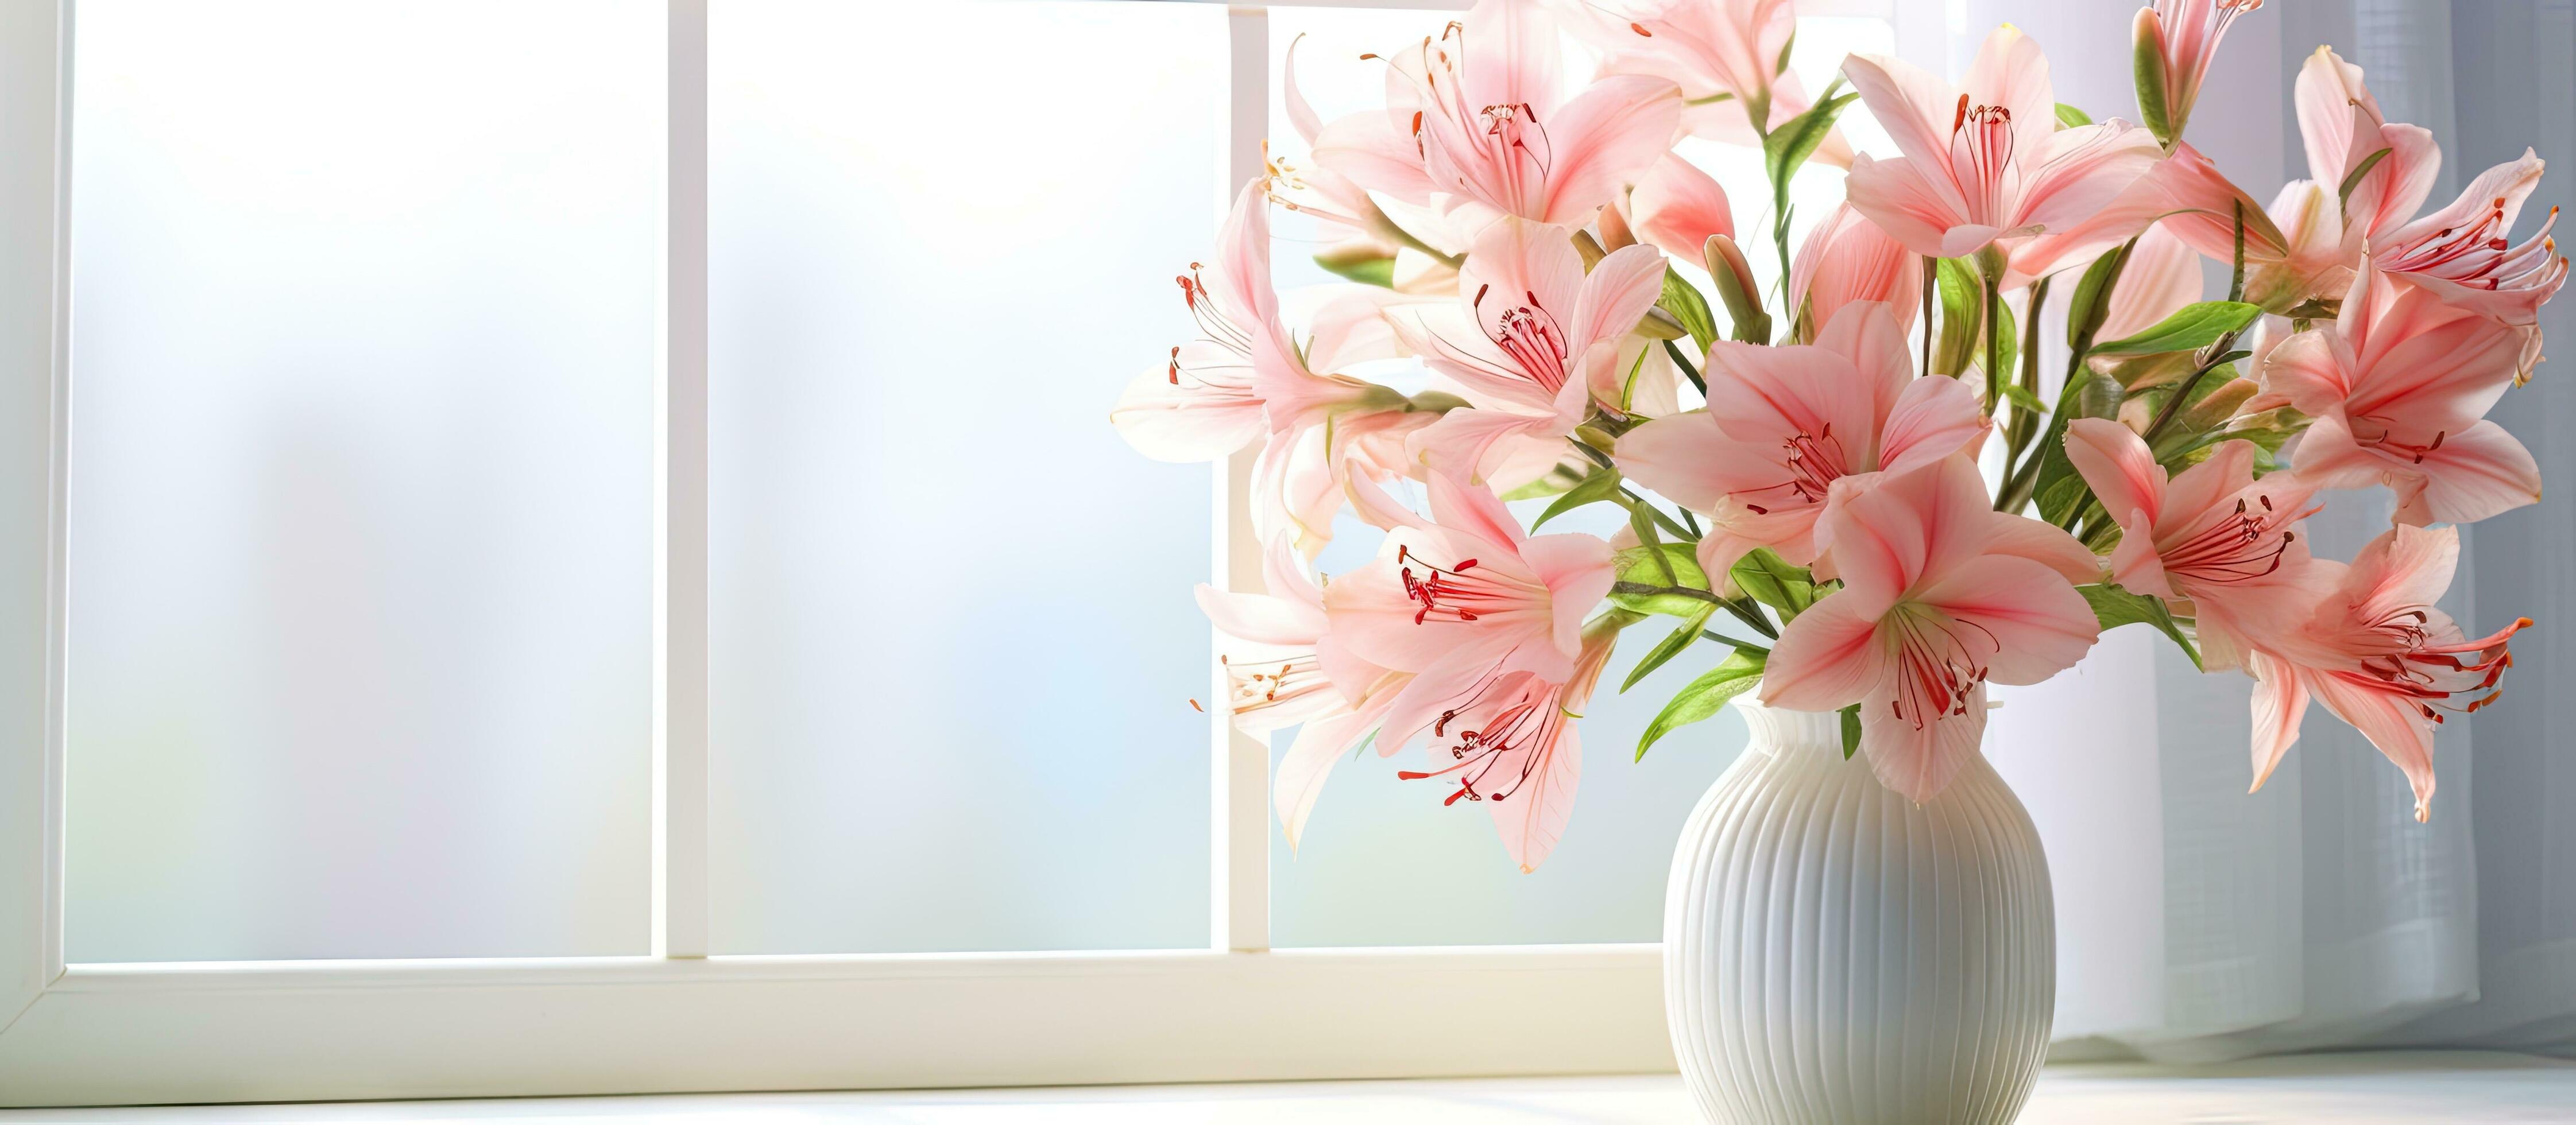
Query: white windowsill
[{"x": 2461, "y": 1087}]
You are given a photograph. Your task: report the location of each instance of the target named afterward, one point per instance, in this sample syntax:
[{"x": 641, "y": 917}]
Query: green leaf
[
  {"x": 1642, "y": 588},
  {"x": 1686, "y": 305},
  {"x": 2196, "y": 326},
  {"x": 1963, "y": 304},
  {"x": 1373, "y": 271},
  {"x": 2057, "y": 487},
  {"x": 1671, "y": 646},
  {"x": 2352, "y": 179},
  {"x": 2114, "y": 607},
  {"x": 1851, "y": 731},
  {"x": 2009, "y": 332},
  {"x": 1702, "y": 697},
  {"x": 2093, "y": 295},
  {"x": 1774, "y": 582},
  {"x": 2024, "y": 399},
  {"x": 1601, "y": 485},
  {"x": 2069, "y": 117},
  {"x": 1788, "y": 146}
]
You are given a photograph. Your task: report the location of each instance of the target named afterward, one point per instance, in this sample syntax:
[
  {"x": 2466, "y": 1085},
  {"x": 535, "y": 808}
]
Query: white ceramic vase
[{"x": 1836, "y": 953}]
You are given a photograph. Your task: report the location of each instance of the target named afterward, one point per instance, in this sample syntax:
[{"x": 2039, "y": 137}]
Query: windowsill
[{"x": 2464, "y": 1087}]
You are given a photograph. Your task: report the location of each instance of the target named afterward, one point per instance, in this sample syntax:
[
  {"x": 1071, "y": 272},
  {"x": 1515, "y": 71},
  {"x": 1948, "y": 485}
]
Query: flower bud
[
  {"x": 2147, "y": 60},
  {"x": 1736, "y": 287}
]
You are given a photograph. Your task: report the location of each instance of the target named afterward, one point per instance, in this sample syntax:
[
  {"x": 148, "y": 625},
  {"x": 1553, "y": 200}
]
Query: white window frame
[{"x": 679, "y": 1019}]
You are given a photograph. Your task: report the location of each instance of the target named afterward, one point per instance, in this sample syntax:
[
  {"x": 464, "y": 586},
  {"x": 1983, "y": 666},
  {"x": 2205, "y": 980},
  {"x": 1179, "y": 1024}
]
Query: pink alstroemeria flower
[
  {"x": 1285, "y": 670},
  {"x": 2462, "y": 252},
  {"x": 2184, "y": 34},
  {"x": 1986, "y": 162},
  {"x": 1532, "y": 340},
  {"x": 2379, "y": 656},
  {"x": 2162, "y": 276},
  {"x": 1203, "y": 403},
  {"x": 1724, "y": 54},
  {"x": 1515, "y": 749},
  {"x": 1489, "y": 620},
  {"x": 1940, "y": 595},
  {"x": 2400, "y": 385},
  {"x": 2211, "y": 534},
  {"x": 1783, "y": 424},
  {"x": 1477, "y": 125},
  {"x": 1847, "y": 260}
]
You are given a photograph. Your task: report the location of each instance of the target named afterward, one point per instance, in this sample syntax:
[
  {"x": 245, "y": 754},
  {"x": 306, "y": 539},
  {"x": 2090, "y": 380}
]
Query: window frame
[{"x": 678, "y": 1019}]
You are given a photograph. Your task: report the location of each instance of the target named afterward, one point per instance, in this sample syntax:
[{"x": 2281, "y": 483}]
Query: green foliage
[
  {"x": 1851, "y": 731},
  {"x": 1786, "y": 148},
  {"x": 2191, "y": 328},
  {"x": 1686, "y": 305},
  {"x": 2352, "y": 179},
  {"x": 1648, "y": 575},
  {"x": 2069, "y": 117},
  {"x": 1671, "y": 646},
  {"x": 1702, "y": 697},
  {"x": 2057, "y": 487},
  {"x": 1772, "y": 581},
  {"x": 1963, "y": 302},
  {"x": 1601, "y": 485},
  {"x": 2114, "y": 607},
  {"x": 1372, "y": 271}
]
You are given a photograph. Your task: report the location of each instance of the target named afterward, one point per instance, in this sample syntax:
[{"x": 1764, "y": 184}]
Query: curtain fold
[{"x": 2317, "y": 913}]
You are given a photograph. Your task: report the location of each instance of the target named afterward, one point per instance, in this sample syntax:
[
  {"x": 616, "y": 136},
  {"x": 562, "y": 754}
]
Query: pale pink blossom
[
  {"x": 1940, "y": 596},
  {"x": 2463, "y": 252},
  {"x": 1489, "y": 621},
  {"x": 1533, "y": 341},
  {"x": 2379, "y": 655},
  {"x": 1477, "y": 126},
  {"x": 1283, "y": 669},
  {"x": 2399, "y": 386},
  {"x": 1516, "y": 750},
  {"x": 1204, "y": 403},
  {"x": 1784, "y": 424},
  {"x": 1985, "y": 162},
  {"x": 1847, "y": 260},
  {"x": 2211, "y": 535},
  {"x": 2185, "y": 34},
  {"x": 1724, "y": 54}
]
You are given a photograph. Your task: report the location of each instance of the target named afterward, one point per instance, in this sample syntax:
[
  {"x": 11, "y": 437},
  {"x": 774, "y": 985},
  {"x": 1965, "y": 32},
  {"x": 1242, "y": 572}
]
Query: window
[{"x": 482, "y": 615}]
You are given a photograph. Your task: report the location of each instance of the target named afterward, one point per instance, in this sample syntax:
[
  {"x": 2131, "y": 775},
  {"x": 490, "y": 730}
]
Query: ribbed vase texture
[{"x": 1834, "y": 952}]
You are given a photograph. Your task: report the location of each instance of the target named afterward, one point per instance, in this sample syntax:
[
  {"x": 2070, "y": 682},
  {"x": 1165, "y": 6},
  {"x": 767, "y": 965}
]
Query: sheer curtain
[{"x": 2200, "y": 923}]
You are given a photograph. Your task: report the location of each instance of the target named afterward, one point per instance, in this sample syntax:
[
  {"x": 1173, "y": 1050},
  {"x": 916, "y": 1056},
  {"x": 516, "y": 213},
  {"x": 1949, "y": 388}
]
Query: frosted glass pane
[
  {"x": 1381, "y": 862},
  {"x": 361, "y": 480},
  {"x": 954, "y": 638}
]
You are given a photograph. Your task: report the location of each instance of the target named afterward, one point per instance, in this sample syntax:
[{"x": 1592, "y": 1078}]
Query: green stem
[
  {"x": 1994, "y": 345},
  {"x": 1931, "y": 284},
  {"x": 1674, "y": 350},
  {"x": 2025, "y": 424},
  {"x": 1721, "y": 638}
]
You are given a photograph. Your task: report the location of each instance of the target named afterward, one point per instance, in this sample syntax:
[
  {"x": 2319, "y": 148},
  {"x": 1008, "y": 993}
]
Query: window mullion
[
  {"x": 680, "y": 914},
  {"x": 1239, "y": 843}
]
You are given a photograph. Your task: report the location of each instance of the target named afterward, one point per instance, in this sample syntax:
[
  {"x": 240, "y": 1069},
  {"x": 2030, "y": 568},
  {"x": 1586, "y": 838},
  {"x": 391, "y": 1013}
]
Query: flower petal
[
  {"x": 1827, "y": 658},
  {"x": 2117, "y": 465},
  {"x": 2030, "y": 615},
  {"x": 1918, "y": 760},
  {"x": 1605, "y": 138}
]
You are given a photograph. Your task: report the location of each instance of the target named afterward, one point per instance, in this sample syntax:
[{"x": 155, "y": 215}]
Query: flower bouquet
[{"x": 1857, "y": 488}]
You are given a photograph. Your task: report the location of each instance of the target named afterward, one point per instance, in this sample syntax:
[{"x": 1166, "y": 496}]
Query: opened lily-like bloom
[
  {"x": 2463, "y": 252},
  {"x": 1203, "y": 403},
  {"x": 2399, "y": 386},
  {"x": 2380, "y": 656},
  {"x": 2211, "y": 534},
  {"x": 1284, "y": 669},
  {"x": 1784, "y": 424},
  {"x": 1941, "y": 595},
  {"x": 1532, "y": 341},
  {"x": 1724, "y": 54},
  {"x": 1515, "y": 749},
  {"x": 1847, "y": 260},
  {"x": 1489, "y": 621},
  {"x": 1477, "y": 125},
  {"x": 1676, "y": 207},
  {"x": 1985, "y": 161}
]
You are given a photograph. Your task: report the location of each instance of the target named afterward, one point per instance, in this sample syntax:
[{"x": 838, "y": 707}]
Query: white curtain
[{"x": 2198, "y": 922}]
